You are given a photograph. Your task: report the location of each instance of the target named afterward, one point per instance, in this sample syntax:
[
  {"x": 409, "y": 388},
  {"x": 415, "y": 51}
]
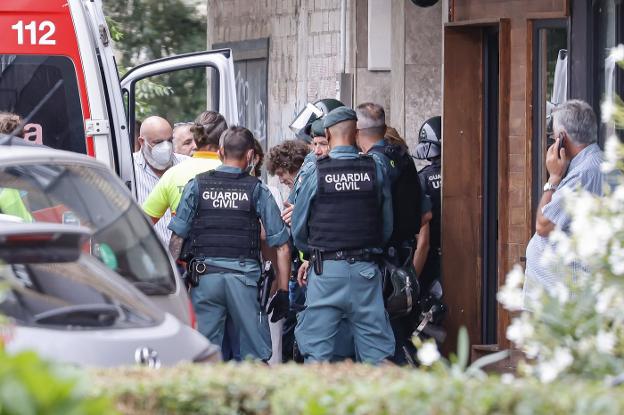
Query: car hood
[{"x": 170, "y": 342}]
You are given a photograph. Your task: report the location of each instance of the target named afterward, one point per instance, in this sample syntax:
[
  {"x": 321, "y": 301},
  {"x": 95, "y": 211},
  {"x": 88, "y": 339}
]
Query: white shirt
[{"x": 145, "y": 180}]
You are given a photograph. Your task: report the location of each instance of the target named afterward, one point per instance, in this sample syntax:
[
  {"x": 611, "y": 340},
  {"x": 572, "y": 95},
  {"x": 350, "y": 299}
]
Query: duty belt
[{"x": 351, "y": 256}]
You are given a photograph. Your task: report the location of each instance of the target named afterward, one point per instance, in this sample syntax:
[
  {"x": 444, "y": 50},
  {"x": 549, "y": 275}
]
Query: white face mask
[{"x": 159, "y": 156}]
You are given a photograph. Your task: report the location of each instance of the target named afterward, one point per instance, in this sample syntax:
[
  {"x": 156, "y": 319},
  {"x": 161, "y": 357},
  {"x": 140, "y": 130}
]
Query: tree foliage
[{"x": 145, "y": 30}]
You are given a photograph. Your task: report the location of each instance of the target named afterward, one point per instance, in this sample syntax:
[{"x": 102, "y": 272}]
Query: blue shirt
[
  {"x": 584, "y": 171},
  {"x": 266, "y": 209},
  {"x": 307, "y": 192},
  {"x": 308, "y": 162}
]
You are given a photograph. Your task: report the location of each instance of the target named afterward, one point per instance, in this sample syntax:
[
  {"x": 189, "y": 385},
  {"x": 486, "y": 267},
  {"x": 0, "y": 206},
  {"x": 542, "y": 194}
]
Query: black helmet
[
  {"x": 302, "y": 124},
  {"x": 430, "y": 139}
]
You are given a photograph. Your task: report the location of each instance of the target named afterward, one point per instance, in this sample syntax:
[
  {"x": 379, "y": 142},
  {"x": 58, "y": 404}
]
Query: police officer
[
  {"x": 411, "y": 209},
  {"x": 430, "y": 148},
  {"x": 342, "y": 217},
  {"x": 219, "y": 215}
]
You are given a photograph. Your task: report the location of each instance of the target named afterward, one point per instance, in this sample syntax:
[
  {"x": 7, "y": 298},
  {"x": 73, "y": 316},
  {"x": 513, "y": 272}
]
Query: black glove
[{"x": 279, "y": 306}]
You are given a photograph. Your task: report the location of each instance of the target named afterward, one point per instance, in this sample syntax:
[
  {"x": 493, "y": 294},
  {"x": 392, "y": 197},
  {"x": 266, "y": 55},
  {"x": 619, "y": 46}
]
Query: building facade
[{"x": 288, "y": 53}]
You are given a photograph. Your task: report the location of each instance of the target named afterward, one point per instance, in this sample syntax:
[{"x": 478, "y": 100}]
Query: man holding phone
[{"x": 573, "y": 160}]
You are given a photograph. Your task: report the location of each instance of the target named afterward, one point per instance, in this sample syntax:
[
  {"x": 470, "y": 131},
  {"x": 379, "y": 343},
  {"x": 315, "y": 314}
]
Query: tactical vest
[
  {"x": 226, "y": 223},
  {"x": 346, "y": 212},
  {"x": 432, "y": 181},
  {"x": 406, "y": 193}
]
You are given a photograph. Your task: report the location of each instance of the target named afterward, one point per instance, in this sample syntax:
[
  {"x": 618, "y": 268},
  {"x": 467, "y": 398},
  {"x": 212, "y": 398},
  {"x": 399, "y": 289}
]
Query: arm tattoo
[{"x": 175, "y": 245}]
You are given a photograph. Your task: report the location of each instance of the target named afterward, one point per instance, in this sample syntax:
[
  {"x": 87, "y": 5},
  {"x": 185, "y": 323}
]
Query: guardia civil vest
[
  {"x": 431, "y": 179},
  {"x": 345, "y": 213},
  {"x": 226, "y": 223}
]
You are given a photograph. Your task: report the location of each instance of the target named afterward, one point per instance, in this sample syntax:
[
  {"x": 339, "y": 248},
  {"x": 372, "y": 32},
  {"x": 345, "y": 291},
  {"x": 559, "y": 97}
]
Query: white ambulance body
[{"x": 58, "y": 72}]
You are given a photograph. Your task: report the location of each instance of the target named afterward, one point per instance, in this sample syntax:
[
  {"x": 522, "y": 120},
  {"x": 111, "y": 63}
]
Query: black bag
[{"x": 400, "y": 287}]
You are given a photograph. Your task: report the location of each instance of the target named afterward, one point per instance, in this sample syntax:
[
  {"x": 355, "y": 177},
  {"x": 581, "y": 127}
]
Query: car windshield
[
  {"x": 123, "y": 239},
  {"x": 72, "y": 295}
]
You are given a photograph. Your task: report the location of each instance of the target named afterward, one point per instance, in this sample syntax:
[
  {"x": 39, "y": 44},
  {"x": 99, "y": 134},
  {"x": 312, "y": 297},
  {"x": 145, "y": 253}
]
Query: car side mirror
[{"x": 28, "y": 243}]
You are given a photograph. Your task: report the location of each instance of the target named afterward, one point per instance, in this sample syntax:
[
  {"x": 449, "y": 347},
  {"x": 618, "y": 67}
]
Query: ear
[
  {"x": 221, "y": 154},
  {"x": 141, "y": 140},
  {"x": 250, "y": 155}
]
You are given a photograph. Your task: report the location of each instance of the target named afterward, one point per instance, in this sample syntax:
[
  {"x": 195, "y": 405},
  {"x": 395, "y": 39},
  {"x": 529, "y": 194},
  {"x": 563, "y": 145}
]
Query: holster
[
  {"x": 317, "y": 261},
  {"x": 195, "y": 269}
]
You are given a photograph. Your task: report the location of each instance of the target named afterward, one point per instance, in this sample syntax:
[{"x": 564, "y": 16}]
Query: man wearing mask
[{"x": 153, "y": 159}]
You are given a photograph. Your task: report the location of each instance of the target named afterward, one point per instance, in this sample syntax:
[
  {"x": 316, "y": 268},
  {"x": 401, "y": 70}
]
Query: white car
[
  {"x": 71, "y": 308},
  {"x": 43, "y": 185}
]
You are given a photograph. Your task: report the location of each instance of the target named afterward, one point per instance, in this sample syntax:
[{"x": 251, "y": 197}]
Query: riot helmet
[
  {"x": 302, "y": 124},
  {"x": 430, "y": 139}
]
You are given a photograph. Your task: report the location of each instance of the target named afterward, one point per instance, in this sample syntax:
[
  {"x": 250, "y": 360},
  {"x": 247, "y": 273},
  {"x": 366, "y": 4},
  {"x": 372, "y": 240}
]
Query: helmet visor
[{"x": 301, "y": 124}]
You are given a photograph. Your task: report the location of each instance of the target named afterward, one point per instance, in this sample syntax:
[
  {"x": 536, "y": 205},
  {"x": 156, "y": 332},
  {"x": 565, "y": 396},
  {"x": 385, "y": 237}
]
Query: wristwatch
[{"x": 550, "y": 187}]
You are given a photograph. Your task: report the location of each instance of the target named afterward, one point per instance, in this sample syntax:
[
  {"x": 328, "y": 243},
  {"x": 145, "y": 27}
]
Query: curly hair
[
  {"x": 207, "y": 128},
  {"x": 9, "y": 122},
  {"x": 288, "y": 156}
]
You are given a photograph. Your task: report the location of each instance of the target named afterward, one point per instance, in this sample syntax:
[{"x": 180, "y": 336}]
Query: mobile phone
[{"x": 561, "y": 141}]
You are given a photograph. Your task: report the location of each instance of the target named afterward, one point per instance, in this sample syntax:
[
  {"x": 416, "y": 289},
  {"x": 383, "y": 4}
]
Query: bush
[
  {"x": 29, "y": 385},
  {"x": 344, "y": 389}
]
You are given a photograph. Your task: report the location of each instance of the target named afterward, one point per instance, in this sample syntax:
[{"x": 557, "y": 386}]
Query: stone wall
[{"x": 304, "y": 56}]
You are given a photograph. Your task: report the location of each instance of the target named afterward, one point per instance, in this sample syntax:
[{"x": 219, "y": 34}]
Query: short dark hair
[
  {"x": 288, "y": 156},
  {"x": 207, "y": 128},
  {"x": 236, "y": 142}
]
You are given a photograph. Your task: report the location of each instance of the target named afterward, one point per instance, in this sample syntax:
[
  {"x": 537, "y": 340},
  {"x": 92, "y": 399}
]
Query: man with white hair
[{"x": 573, "y": 161}]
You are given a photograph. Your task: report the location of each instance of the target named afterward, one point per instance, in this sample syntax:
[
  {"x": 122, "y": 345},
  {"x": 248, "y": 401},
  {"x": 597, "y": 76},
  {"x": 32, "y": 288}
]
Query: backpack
[{"x": 406, "y": 192}]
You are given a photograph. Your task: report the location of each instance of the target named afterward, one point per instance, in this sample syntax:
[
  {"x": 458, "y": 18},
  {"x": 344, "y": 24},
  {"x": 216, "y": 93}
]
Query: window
[
  {"x": 177, "y": 96},
  {"x": 43, "y": 91},
  {"x": 550, "y": 88},
  {"x": 122, "y": 239},
  {"x": 71, "y": 295},
  {"x": 609, "y": 77}
]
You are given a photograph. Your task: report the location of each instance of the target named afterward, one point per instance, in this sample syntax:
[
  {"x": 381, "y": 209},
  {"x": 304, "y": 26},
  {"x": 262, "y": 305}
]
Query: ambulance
[{"x": 58, "y": 73}]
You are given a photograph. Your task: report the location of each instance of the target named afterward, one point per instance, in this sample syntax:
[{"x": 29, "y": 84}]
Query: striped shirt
[
  {"x": 584, "y": 171},
  {"x": 146, "y": 180}
]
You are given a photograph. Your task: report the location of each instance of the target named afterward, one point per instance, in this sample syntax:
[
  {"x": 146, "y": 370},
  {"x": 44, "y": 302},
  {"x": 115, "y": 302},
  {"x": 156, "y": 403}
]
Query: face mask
[{"x": 159, "y": 156}]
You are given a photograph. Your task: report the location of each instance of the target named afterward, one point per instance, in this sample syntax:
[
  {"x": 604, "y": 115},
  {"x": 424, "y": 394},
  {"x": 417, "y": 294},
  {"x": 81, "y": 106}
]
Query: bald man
[{"x": 153, "y": 159}]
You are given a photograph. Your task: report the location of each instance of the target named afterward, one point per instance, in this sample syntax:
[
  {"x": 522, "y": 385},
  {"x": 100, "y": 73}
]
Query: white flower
[
  {"x": 604, "y": 299},
  {"x": 507, "y": 379},
  {"x": 611, "y": 154},
  {"x": 605, "y": 342},
  {"x": 531, "y": 350},
  {"x": 617, "y": 53},
  {"x": 585, "y": 345},
  {"x": 616, "y": 258},
  {"x": 550, "y": 369},
  {"x": 548, "y": 372},
  {"x": 515, "y": 277},
  {"x": 560, "y": 292},
  {"x": 520, "y": 330},
  {"x": 428, "y": 354},
  {"x": 510, "y": 295},
  {"x": 607, "y": 109},
  {"x": 563, "y": 357}
]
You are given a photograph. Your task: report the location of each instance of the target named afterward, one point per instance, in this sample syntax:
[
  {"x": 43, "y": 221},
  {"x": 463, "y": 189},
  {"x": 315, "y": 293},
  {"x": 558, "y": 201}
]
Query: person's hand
[
  {"x": 302, "y": 273},
  {"x": 287, "y": 213},
  {"x": 556, "y": 164},
  {"x": 279, "y": 306}
]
